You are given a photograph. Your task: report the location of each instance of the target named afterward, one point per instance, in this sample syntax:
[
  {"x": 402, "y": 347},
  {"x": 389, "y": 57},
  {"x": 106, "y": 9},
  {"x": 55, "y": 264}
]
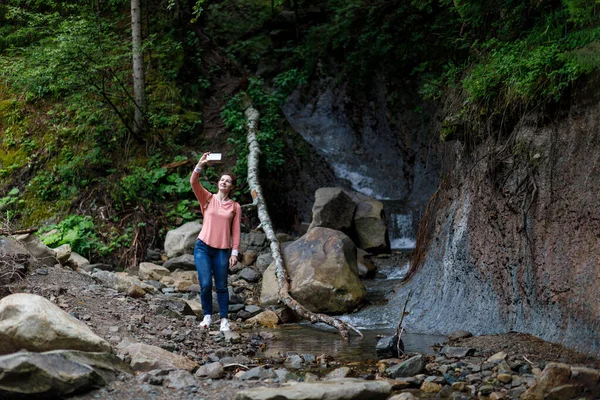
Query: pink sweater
[{"x": 221, "y": 226}]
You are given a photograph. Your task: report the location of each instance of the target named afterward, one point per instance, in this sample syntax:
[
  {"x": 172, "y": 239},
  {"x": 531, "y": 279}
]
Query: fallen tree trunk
[{"x": 252, "y": 116}]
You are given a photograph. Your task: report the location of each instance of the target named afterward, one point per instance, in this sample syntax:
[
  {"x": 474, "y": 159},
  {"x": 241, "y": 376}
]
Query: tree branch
[{"x": 252, "y": 116}]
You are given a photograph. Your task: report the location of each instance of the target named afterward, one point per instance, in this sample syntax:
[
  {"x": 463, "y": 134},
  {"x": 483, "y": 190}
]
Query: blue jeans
[{"x": 212, "y": 262}]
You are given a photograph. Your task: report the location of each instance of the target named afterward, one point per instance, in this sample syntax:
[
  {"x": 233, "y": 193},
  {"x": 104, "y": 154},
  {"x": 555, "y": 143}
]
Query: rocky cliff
[{"x": 516, "y": 243}]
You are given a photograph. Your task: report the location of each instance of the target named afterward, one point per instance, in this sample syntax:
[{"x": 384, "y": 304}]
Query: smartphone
[{"x": 213, "y": 157}]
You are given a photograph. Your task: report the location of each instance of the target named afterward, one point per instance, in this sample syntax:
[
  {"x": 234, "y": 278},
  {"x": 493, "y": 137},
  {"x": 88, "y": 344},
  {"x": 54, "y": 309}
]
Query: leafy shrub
[{"x": 77, "y": 231}]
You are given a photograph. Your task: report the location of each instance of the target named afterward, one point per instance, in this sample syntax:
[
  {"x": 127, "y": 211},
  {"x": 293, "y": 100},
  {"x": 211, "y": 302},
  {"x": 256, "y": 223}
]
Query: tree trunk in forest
[
  {"x": 139, "y": 86},
  {"x": 252, "y": 115}
]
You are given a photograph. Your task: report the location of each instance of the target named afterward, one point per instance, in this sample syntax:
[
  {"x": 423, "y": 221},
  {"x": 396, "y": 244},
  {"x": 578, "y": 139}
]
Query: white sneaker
[
  {"x": 224, "y": 325},
  {"x": 206, "y": 322}
]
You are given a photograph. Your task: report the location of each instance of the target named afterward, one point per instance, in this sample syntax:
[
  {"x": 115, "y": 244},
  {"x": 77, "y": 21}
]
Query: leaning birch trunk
[{"x": 252, "y": 115}]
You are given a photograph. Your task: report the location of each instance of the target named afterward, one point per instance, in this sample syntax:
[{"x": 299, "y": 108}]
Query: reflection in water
[{"x": 303, "y": 338}]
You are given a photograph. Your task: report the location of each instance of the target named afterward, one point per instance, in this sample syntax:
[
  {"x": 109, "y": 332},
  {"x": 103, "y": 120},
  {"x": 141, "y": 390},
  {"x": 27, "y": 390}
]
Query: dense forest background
[{"x": 74, "y": 163}]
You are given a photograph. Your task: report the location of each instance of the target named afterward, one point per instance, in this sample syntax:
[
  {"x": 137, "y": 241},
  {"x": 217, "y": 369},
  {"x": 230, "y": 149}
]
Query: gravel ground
[{"x": 115, "y": 316}]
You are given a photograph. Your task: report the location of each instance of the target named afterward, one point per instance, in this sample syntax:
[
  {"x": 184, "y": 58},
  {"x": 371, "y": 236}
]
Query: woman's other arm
[{"x": 201, "y": 193}]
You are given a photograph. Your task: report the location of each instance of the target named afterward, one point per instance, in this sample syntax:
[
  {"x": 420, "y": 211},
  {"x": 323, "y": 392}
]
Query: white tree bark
[
  {"x": 252, "y": 116},
  {"x": 139, "y": 86}
]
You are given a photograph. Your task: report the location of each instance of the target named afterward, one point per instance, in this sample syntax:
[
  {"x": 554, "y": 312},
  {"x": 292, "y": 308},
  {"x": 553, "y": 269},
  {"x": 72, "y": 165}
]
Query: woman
[{"x": 217, "y": 245}]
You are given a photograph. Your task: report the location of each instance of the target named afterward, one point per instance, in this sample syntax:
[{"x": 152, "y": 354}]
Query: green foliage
[
  {"x": 183, "y": 211},
  {"x": 77, "y": 231},
  {"x": 271, "y": 124},
  {"x": 10, "y": 204},
  {"x": 148, "y": 184}
]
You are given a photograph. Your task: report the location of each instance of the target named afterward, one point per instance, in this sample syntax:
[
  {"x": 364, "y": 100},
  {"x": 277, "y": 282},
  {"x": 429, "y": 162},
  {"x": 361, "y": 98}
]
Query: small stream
[
  {"x": 378, "y": 318},
  {"x": 306, "y": 339}
]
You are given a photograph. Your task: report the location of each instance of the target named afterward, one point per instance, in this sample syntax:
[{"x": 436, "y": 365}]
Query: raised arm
[{"x": 201, "y": 193}]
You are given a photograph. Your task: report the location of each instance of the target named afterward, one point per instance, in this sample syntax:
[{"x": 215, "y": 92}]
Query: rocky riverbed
[{"x": 228, "y": 366}]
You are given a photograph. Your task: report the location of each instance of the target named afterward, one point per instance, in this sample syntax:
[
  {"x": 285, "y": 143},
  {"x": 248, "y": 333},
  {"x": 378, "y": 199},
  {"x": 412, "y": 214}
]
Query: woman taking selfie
[{"x": 217, "y": 245}]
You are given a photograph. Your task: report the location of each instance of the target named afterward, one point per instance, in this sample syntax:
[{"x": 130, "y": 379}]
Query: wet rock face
[
  {"x": 382, "y": 152},
  {"x": 518, "y": 249}
]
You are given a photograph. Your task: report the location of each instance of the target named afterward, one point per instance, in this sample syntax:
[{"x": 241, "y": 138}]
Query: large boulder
[
  {"x": 31, "y": 322},
  {"x": 42, "y": 253},
  {"x": 323, "y": 273},
  {"x": 56, "y": 373},
  {"x": 333, "y": 208},
  {"x": 182, "y": 240},
  {"x": 146, "y": 358},
  {"x": 370, "y": 227}
]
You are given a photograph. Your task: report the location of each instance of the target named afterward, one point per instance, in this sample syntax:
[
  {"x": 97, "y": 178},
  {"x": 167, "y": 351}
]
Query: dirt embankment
[{"x": 517, "y": 239}]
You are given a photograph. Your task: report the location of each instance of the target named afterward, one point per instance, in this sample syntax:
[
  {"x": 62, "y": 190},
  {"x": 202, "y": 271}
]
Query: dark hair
[{"x": 233, "y": 178}]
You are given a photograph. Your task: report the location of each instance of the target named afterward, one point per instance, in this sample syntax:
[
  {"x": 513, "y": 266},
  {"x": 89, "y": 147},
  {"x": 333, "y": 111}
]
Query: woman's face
[{"x": 225, "y": 183}]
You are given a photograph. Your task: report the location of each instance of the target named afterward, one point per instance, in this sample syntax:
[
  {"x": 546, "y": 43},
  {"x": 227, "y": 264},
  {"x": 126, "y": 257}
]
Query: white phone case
[{"x": 213, "y": 157}]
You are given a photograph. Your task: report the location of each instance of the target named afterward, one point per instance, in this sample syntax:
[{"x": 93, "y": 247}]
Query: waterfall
[{"x": 401, "y": 231}]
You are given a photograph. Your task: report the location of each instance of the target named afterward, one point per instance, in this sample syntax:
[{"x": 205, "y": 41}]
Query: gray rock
[
  {"x": 233, "y": 308},
  {"x": 42, "y": 253},
  {"x": 30, "y": 322},
  {"x": 370, "y": 227},
  {"x": 179, "y": 379},
  {"x": 56, "y": 373},
  {"x": 171, "y": 306},
  {"x": 150, "y": 271},
  {"x": 258, "y": 373},
  {"x": 457, "y": 352},
  {"x": 76, "y": 261},
  {"x": 263, "y": 261},
  {"x": 283, "y": 375},
  {"x": 309, "y": 358},
  {"x": 294, "y": 362},
  {"x": 387, "y": 347},
  {"x": 459, "y": 335},
  {"x": 212, "y": 370},
  {"x": 253, "y": 241},
  {"x": 63, "y": 253},
  {"x": 338, "y": 373},
  {"x": 250, "y": 275},
  {"x": 232, "y": 337},
  {"x": 339, "y": 389},
  {"x": 146, "y": 358},
  {"x": 153, "y": 377},
  {"x": 332, "y": 208},
  {"x": 156, "y": 284},
  {"x": 91, "y": 268},
  {"x": 184, "y": 262},
  {"x": 410, "y": 367},
  {"x": 182, "y": 240},
  {"x": 226, "y": 360},
  {"x": 252, "y": 309},
  {"x": 404, "y": 396}
]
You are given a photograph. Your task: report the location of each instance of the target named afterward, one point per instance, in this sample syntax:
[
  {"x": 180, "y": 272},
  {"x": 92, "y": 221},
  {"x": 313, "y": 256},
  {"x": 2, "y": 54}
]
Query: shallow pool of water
[{"x": 305, "y": 338}]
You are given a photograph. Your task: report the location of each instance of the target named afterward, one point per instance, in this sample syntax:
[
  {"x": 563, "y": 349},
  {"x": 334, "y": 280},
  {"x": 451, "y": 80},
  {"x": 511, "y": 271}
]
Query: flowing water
[
  {"x": 307, "y": 339},
  {"x": 378, "y": 318}
]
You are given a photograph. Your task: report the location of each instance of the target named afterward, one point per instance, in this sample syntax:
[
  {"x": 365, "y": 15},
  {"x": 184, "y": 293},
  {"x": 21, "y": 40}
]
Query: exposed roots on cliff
[{"x": 426, "y": 230}]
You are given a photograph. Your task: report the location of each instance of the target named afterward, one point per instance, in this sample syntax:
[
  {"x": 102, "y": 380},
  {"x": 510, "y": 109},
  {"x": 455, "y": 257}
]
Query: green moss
[{"x": 36, "y": 212}]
